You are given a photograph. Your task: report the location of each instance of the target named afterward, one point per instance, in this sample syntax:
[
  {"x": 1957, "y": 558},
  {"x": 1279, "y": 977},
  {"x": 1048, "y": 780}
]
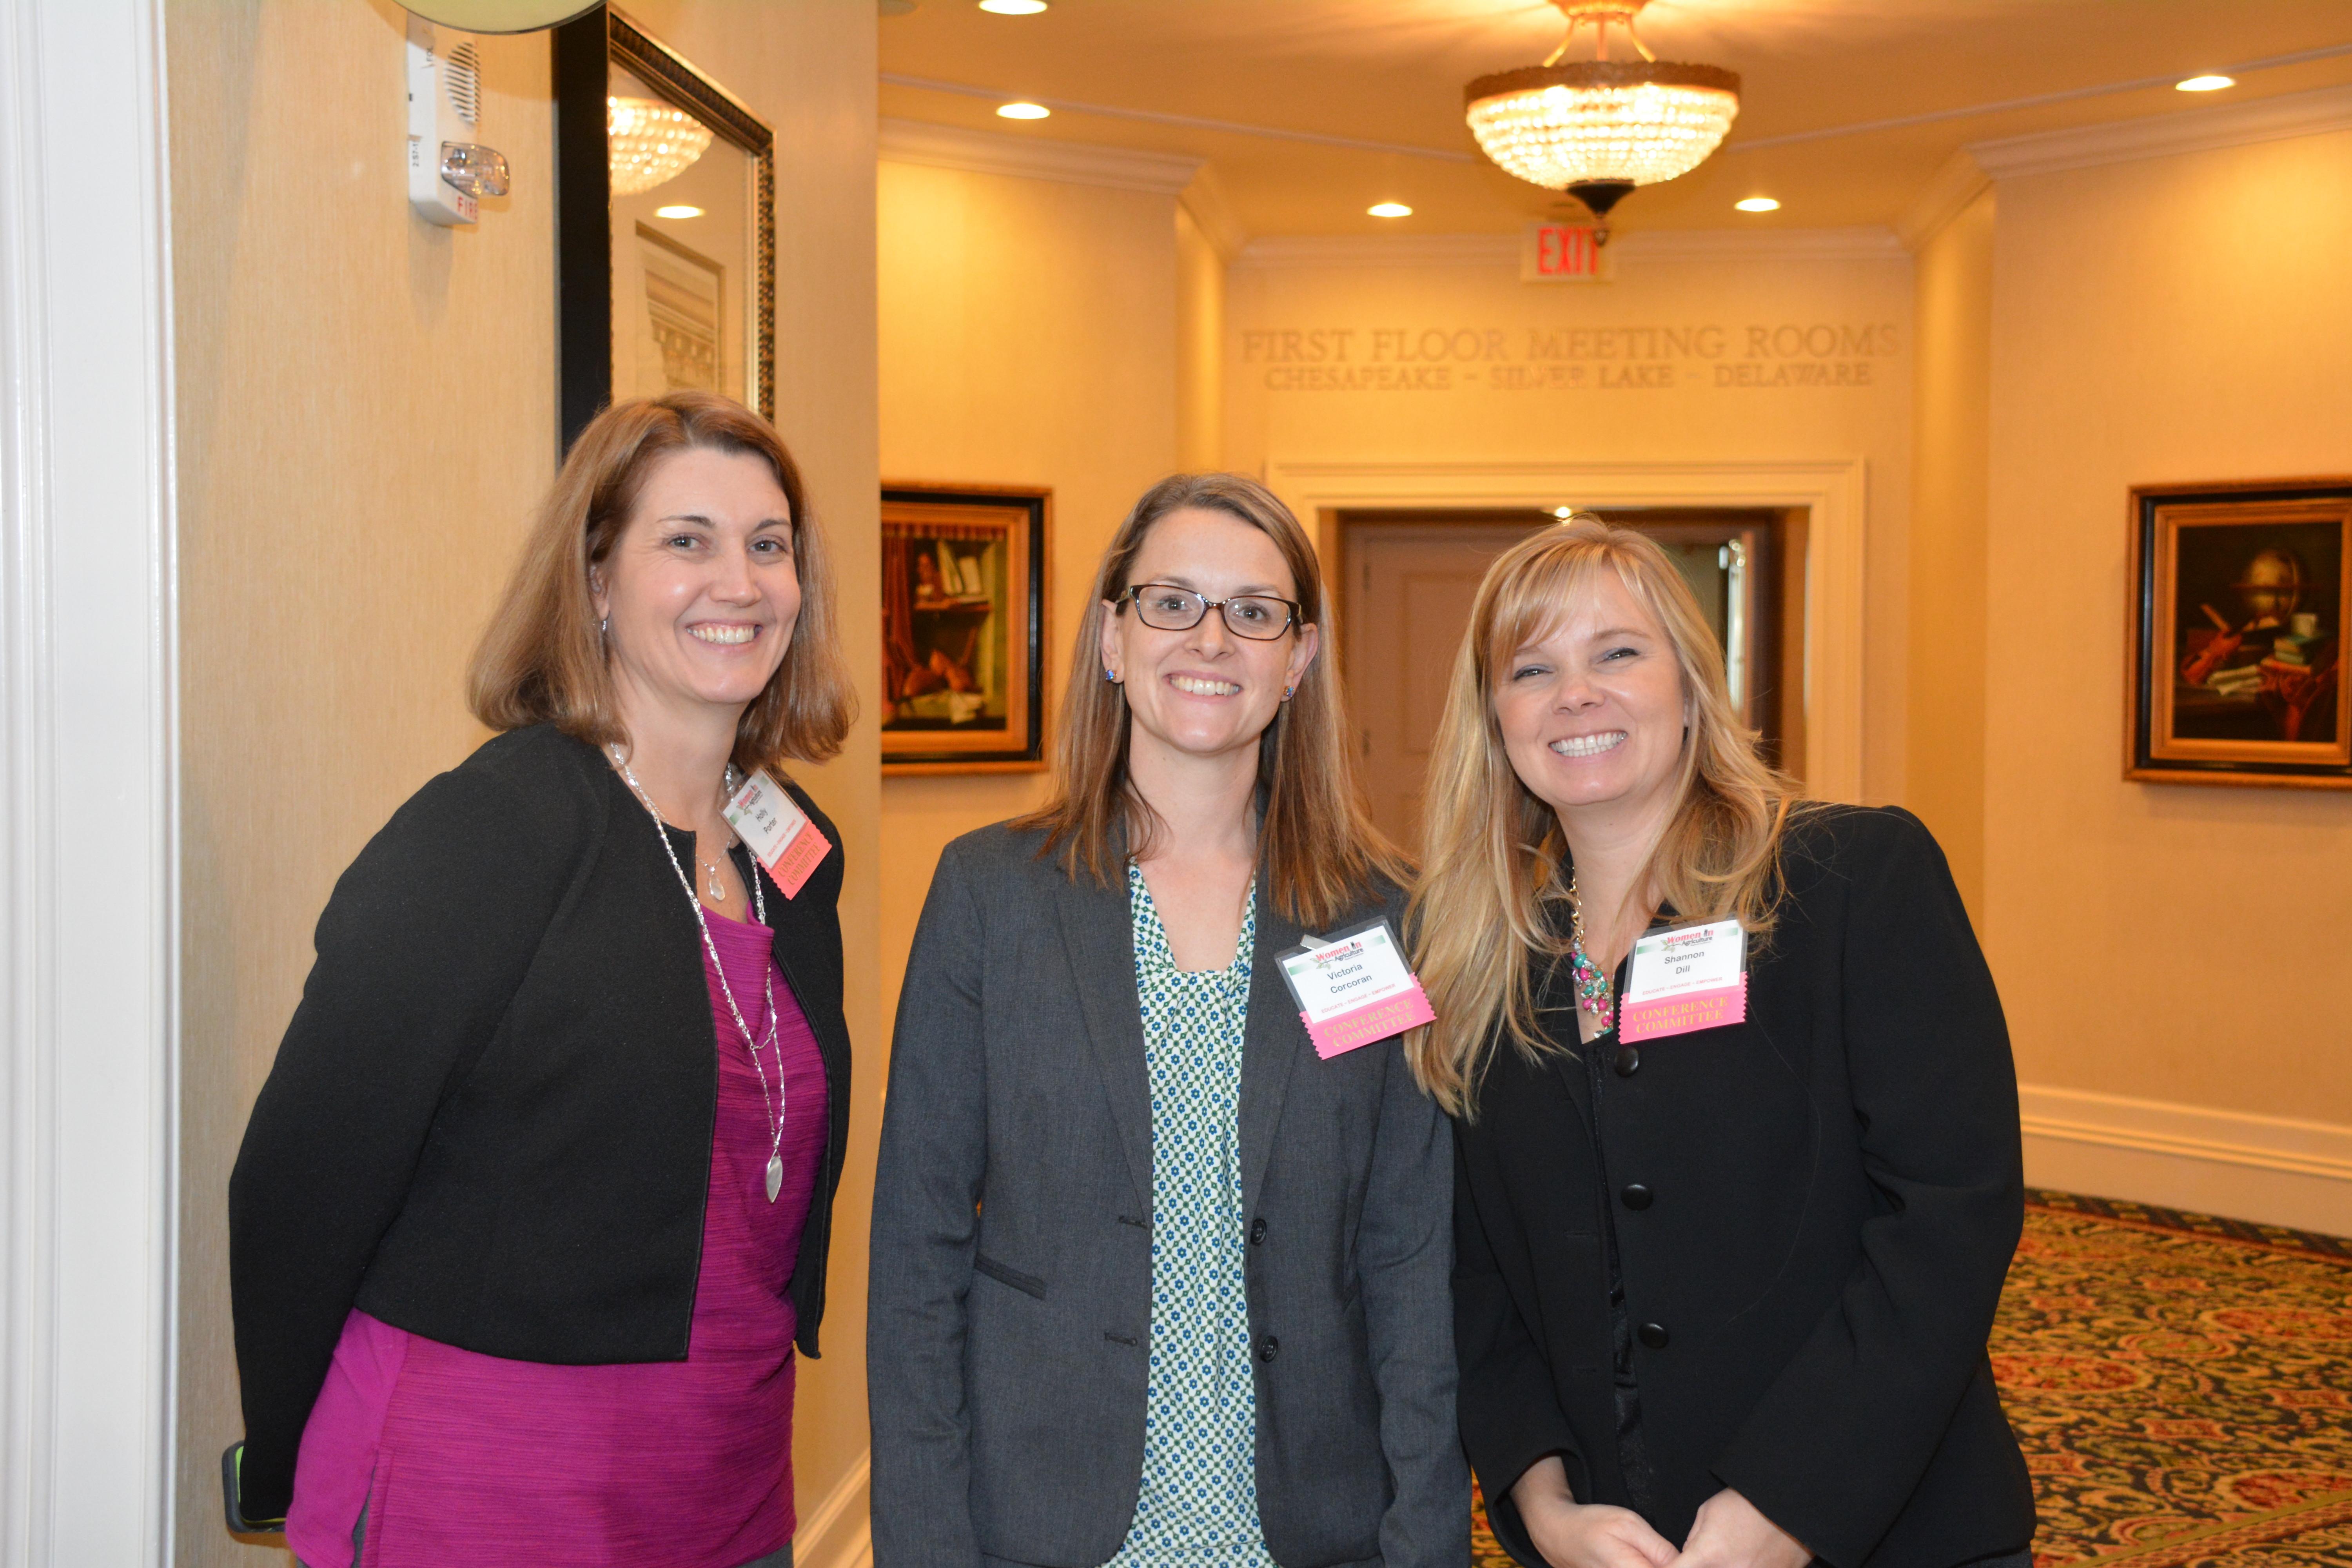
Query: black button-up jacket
[{"x": 1829, "y": 1195}]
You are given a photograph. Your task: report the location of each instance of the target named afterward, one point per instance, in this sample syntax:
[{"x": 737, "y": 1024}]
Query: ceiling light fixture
[
  {"x": 1758, "y": 204},
  {"x": 1023, "y": 111},
  {"x": 1598, "y": 128},
  {"x": 1013, "y": 7},
  {"x": 1388, "y": 209},
  {"x": 2204, "y": 84},
  {"x": 650, "y": 142},
  {"x": 679, "y": 211}
]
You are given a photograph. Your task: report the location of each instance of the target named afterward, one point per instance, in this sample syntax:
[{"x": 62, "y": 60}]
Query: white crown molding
[
  {"x": 1033, "y": 158},
  {"x": 1863, "y": 242},
  {"x": 1870, "y": 242},
  {"x": 2164, "y": 135},
  {"x": 2269, "y": 1168},
  {"x": 1213, "y": 210},
  {"x": 839, "y": 1532},
  {"x": 1945, "y": 197},
  {"x": 88, "y": 783}
]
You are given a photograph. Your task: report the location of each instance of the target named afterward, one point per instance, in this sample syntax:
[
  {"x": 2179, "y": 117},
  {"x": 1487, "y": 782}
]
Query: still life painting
[{"x": 963, "y": 593}]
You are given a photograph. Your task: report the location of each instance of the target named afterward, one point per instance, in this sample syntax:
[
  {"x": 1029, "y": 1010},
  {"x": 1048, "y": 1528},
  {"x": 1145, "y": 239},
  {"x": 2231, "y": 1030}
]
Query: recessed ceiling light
[
  {"x": 1023, "y": 111},
  {"x": 2205, "y": 83},
  {"x": 1388, "y": 209},
  {"x": 1758, "y": 204},
  {"x": 678, "y": 212},
  {"x": 1013, "y": 7}
]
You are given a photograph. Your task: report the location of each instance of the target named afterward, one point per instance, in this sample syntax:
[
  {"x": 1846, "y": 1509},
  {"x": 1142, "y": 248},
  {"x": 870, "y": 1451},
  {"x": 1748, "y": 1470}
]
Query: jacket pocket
[{"x": 1027, "y": 1284}]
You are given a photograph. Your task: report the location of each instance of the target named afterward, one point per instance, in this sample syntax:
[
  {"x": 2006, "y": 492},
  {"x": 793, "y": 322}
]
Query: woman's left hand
[{"x": 1730, "y": 1533}]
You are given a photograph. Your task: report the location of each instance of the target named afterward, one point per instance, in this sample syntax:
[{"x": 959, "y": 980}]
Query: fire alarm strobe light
[{"x": 449, "y": 170}]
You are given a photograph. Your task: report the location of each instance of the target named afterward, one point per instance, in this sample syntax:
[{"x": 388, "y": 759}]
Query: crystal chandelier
[
  {"x": 1598, "y": 128},
  {"x": 650, "y": 142}
]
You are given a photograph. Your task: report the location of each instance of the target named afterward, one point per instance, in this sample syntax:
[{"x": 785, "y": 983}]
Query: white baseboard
[
  {"x": 839, "y": 1532},
  {"x": 2267, "y": 1168}
]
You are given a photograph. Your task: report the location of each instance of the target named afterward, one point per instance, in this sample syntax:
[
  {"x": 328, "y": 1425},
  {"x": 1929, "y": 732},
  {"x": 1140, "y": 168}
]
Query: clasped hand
[{"x": 1728, "y": 1532}]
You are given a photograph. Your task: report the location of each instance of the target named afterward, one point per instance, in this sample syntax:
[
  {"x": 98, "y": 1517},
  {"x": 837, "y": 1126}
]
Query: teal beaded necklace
[{"x": 1594, "y": 994}]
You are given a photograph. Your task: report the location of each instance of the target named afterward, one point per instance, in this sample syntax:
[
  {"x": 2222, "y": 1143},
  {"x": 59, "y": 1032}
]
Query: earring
[
  {"x": 1111, "y": 676},
  {"x": 604, "y": 627},
  {"x": 1287, "y": 691}
]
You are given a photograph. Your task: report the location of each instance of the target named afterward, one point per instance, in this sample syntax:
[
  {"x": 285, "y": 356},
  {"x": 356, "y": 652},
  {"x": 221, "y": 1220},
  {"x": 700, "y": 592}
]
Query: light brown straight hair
[
  {"x": 542, "y": 659},
  {"x": 1493, "y": 854},
  {"x": 1319, "y": 852}
]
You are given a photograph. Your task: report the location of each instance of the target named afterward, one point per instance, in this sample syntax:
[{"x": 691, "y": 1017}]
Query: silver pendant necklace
[{"x": 773, "y": 1106}]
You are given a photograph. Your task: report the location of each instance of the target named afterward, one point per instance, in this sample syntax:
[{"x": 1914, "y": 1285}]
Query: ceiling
[{"x": 1391, "y": 72}]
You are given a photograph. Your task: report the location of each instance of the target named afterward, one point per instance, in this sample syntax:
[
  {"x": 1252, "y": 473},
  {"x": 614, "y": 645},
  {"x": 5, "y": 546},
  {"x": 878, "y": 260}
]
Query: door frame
[{"x": 1834, "y": 492}]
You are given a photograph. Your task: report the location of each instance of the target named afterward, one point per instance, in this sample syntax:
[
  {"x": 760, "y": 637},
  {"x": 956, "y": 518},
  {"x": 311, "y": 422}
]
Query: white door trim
[
  {"x": 87, "y": 854},
  {"x": 1833, "y": 491}
]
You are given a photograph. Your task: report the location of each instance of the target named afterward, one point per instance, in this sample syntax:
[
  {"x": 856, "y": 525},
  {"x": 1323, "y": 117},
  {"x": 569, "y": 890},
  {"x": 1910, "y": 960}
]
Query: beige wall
[
  {"x": 366, "y": 415},
  {"x": 1028, "y": 337},
  {"x": 2174, "y": 319},
  {"x": 1952, "y": 405},
  {"x": 1199, "y": 349},
  {"x": 1541, "y": 373}
]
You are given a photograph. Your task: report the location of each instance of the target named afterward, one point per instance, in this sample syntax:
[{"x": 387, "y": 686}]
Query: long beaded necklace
[
  {"x": 773, "y": 1105},
  {"x": 1594, "y": 992}
]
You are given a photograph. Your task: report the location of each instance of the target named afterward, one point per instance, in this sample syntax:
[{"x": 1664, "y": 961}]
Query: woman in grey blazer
[{"x": 1153, "y": 1282}]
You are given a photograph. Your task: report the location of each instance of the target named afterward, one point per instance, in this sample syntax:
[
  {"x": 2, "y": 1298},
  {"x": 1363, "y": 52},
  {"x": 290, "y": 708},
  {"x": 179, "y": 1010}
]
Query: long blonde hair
[
  {"x": 541, "y": 660},
  {"x": 1317, "y": 848},
  {"x": 1493, "y": 855}
]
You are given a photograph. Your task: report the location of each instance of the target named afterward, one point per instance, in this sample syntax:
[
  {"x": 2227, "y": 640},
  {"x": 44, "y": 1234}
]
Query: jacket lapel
[
  {"x": 1271, "y": 1042},
  {"x": 1098, "y": 934}
]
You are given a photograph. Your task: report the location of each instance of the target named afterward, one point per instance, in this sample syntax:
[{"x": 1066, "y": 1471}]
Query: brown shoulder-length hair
[
  {"x": 1319, "y": 852},
  {"x": 543, "y": 660},
  {"x": 1493, "y": 855}
]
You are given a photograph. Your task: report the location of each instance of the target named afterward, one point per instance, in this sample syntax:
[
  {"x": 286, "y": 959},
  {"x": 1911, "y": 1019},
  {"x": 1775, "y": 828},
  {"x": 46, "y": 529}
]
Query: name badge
[
  {"x": 777, "y": 832},
  {"x": 1685, "y": 978},
  {"x": 1353, "y": 988}
]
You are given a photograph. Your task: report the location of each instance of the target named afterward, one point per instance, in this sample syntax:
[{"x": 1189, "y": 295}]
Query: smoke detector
[{"x": 449, "y": 170}]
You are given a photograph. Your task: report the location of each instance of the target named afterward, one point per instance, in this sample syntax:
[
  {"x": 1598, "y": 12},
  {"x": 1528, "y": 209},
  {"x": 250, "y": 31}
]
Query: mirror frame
[{"x": 586, "y": 50}]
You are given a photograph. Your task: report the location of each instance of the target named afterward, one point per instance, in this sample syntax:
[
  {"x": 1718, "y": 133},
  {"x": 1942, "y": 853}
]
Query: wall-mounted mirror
[{"x": 666, "y": 228}]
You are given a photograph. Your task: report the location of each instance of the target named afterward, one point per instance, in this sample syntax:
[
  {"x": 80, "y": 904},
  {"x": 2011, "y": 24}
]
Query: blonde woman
[
  {"x": 1723, "y": 1291},
  {"x": 1154, "y": 1282}
]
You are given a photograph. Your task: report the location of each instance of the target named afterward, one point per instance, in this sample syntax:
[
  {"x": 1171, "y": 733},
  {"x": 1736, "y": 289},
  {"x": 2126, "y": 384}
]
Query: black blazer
[
  {"x": 1833, "y": 1190},
  {"x": 489, "y": 1122}
]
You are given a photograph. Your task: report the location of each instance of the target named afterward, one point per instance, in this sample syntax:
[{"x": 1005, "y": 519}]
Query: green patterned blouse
[{"x": 1198, "y": 1505}]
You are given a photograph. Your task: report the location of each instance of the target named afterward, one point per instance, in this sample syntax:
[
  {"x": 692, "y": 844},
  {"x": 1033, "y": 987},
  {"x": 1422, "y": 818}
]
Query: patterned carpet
[{"x": 2182, "y": 1386}]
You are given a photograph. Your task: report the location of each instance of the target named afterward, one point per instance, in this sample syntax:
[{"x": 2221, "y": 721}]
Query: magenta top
[{"x": 464, "y": 1457}]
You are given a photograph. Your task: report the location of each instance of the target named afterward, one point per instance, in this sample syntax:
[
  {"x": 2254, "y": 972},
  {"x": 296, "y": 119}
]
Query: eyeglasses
[{"x": 1165, "y": 607}]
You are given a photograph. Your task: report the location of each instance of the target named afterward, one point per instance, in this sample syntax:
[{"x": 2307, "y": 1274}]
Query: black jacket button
[
  {"x": 1635, "y": 1195},
  {"x": 1268, "y": 1348},
  {"x": 1652, "y": 1335},
  {"x": 1629, "y": 1060},
  {"x": 1257, "y": 1230}
]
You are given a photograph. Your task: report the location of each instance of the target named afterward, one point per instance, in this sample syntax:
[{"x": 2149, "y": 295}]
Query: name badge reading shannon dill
[
  {"x": 1354, "y": 987},
  {"x": 1684, "y": 978},
  {"x": 776, "y": 831}
]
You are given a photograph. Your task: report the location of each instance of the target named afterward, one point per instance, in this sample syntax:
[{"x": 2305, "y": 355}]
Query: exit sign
[{"x": 1562, "y": 253}]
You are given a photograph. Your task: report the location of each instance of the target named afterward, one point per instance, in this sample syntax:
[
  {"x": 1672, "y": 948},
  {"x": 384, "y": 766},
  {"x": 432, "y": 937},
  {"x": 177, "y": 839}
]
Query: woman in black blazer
[
  {"x": 534, "y": 1206},
  {"x": 1725, "y": 1290}
]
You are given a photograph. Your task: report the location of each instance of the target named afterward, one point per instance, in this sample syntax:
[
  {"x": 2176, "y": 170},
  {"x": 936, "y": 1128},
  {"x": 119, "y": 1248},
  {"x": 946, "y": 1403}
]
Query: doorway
[{"x": 1408, "y": 578}]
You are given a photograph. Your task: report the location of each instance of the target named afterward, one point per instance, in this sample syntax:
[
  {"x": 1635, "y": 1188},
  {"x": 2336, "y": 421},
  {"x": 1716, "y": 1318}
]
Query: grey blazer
[{"x": 1010, "y": 1305}]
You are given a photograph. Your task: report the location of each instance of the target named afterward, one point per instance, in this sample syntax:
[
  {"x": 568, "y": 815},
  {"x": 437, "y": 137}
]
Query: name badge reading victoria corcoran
[
  {"x": 776, "y": 831},
  {"x": 1354, "y": 987},
  {"x": 1684, "y": 978}
]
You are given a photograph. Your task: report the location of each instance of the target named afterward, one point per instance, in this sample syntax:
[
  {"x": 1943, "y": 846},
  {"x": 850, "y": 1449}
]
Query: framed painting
[
  {"x": 2235, "y": 656},
  {"x": 963, "y": 627},
  {"x": 666, "y": 227}
]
